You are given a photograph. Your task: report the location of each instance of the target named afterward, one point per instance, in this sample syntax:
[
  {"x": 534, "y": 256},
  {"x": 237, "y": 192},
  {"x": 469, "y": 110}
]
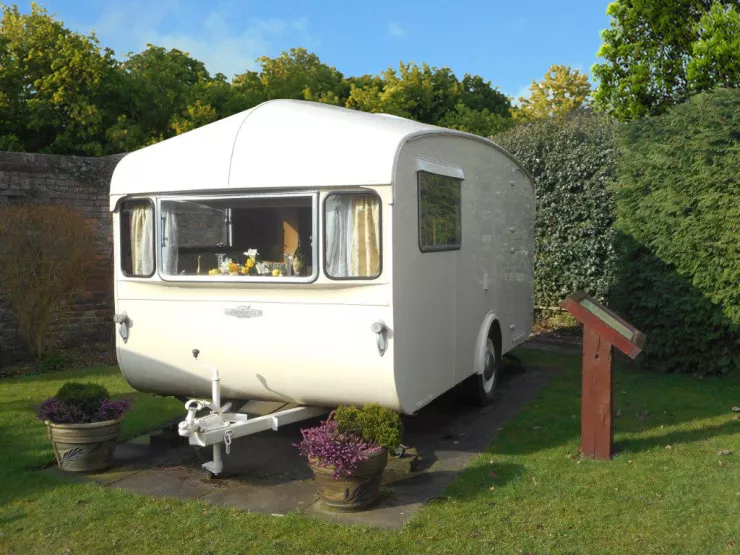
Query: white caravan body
[{"x": 443, "y": 276}]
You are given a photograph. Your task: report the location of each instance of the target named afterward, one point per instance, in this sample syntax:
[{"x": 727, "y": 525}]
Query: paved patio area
[{"x": 264, "y": 472}]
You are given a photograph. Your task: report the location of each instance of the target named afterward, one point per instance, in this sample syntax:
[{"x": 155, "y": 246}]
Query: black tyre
[{"x": 480, "y": 389}]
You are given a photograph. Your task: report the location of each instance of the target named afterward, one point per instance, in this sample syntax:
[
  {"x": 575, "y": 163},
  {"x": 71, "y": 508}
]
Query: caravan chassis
[{"x": 222, "y": 426}]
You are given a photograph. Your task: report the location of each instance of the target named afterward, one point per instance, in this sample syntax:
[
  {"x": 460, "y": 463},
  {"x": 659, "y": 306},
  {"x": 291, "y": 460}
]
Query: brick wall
[{"x": 83, "y": 184}]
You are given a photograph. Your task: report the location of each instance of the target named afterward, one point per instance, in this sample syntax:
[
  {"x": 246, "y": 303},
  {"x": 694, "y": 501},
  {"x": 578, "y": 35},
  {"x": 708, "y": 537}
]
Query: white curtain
[
  {"x": 353, "y": 236},
  {"x": 142, "y": 240},
  {"x": 169, "y": 240},
  {"x": 338, "y": 222}
]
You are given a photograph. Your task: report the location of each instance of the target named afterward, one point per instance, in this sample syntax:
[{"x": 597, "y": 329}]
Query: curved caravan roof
[{"x": 277, "y": 144}]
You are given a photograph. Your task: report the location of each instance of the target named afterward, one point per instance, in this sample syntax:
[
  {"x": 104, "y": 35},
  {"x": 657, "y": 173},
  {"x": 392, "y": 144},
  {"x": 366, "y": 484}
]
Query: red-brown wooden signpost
[{"x": 602, "y": 329}]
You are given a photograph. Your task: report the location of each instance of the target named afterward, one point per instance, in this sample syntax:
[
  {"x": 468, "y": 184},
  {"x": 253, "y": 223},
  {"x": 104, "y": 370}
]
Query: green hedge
[
  {"x": 678, "y": 234},
  {"x": 573, "y": 163}
]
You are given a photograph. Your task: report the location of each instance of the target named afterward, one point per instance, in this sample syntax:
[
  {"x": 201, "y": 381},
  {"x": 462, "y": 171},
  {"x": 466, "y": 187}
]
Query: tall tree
[
  {"x": 297, "y": 74},
  {"x": 432, "y": 95},
  {"x": 422, "y": 93},
  {"x": 716, "y": 52},
  {"x": 57, "y": 88},
  {"x": 478, "y": 95},
  {"x": 479, "y": 122},
  {"x": 646, "y": 52},
  {"x": 61, "y": 92},
  {"x": 562, "y": 90},
  {"x": 160, "y": 84}
]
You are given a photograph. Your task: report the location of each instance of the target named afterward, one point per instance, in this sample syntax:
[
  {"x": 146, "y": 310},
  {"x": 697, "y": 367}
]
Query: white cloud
[
  {"x": 395, "y": 29},
  {"x": 226, "y": 42}
]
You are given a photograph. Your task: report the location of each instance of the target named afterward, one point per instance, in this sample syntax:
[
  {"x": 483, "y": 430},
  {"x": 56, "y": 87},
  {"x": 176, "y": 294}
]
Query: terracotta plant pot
[
  {"x": 84, "y": 447},
  {"x": 355, "y": 492}
]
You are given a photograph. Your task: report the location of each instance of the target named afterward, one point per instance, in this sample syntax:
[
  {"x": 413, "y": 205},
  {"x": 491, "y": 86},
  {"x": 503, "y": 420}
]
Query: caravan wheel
[{"x": 480, "y": 388}]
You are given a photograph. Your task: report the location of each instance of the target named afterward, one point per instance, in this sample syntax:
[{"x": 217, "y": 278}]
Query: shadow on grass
[
  {"x": 26, "y": 485},
  {"x": 9, "y": 519},
  {"x": 684, "y": 329},
  {"x": 636, "y": 445},
  {"x": 473, "y": 480},
  {"x": 644, "y": 401},
  {"x": 26, "y": 446}
]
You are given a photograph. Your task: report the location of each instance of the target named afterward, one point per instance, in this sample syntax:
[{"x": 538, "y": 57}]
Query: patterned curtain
[
  {"x": 142, "y": 240},
  {"x": 353, "y": 235},
  {"x": 365, "y": 257}
]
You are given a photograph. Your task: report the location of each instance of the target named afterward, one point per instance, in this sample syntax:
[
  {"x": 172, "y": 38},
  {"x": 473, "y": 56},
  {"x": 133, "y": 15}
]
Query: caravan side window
[
  {"x": 439, "y": 212},
  {"x": 137, "y": 238},
  {"x": 352, "y": 236}
]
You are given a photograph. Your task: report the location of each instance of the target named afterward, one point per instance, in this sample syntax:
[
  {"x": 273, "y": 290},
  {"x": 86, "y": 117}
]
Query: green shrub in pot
[
  {"x": 348, "y": 453},
  {"x": 83, "y": 424}
]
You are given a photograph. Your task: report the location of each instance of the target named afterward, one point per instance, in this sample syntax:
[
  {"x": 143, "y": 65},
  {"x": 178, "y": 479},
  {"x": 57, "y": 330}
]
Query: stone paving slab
[
  {"x": 181, "y": 483},
  {"x": 278, "y": 499},
  {"x": 264, "y": 472}
]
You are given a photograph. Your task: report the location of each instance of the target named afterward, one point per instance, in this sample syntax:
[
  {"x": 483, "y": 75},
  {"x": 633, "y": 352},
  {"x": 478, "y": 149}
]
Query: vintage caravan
[{"x": 319, "y": 255}]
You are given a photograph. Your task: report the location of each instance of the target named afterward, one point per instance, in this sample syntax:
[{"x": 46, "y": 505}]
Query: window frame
[
  {"x": 155, "y": 260},
  {"x": 364, "y": 192},
  {"x": 312, "y": 194},
  {"x": 441, "y": 248}
]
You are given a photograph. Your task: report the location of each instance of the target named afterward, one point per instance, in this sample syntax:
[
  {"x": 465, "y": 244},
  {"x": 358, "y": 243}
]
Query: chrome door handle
[
  {"x": 381, "y": 331},
  {"x": 124, "y": 322}
]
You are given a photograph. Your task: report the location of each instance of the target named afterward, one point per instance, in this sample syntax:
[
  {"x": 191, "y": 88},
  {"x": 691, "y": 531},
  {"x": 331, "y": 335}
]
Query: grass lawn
[{"x": 668, "y": 491}]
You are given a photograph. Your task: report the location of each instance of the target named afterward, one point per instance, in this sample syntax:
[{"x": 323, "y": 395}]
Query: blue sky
[{"x": 508, "y": 43}]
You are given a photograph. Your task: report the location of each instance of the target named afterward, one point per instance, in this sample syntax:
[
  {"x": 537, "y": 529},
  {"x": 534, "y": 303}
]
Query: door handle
[
  {"x": 380, "y": 329},
  {"x": 124, "y": 322}
]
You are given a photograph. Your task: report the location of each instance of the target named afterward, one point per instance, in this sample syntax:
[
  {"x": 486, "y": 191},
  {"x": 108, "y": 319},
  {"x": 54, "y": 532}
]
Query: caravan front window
[
  {"x": 256, "y": 237},
  {"x": 352, "y": 236}
]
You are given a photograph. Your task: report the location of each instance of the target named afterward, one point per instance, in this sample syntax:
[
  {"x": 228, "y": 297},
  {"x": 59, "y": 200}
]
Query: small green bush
[
  {"x": 573, "y": 163},
  {"x": 373, "y": 422},
  {"x": 86, "y": 397},
  {"x": 51, "y": 362},
  {"x": 678, "y": 234}
]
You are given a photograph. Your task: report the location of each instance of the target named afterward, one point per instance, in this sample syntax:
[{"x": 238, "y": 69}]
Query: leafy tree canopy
[
  {"x": 716, "y": 52},
  {"x": 433, "y": 95},
  {"x": 561, "y": 91},
  {"x": 61, "y": 92},
  {"x": 57, "y": 88},
  {"x": 649, "y": 47}
]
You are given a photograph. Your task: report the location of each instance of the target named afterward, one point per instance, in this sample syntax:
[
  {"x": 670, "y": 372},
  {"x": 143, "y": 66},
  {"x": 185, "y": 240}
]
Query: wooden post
[
  {"x": 596, "y": 403},
  {"x": 602, "y": 329}
]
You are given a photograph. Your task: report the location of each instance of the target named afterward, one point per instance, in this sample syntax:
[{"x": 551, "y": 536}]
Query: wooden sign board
[{"x": 602, "y": 329}]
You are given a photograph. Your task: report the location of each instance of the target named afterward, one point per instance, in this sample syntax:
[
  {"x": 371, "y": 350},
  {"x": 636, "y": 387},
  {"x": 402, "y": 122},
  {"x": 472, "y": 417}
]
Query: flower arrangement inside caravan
[
  {"x": 254, "y": 267},
  {"x": 350, "y": 435}
]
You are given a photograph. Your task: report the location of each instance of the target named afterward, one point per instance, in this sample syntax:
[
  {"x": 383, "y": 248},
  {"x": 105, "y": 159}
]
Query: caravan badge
[{"x": 243, "y": 312}]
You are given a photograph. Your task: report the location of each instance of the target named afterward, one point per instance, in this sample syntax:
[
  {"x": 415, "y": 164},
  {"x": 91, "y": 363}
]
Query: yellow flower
[
  {"x": 213, "y": 272},
  {"x": 249, "y": 263},
  {"x": 233, "y": 267},
  {"x": 275, "y": 273},
  {"x": 245, "y": 269}
]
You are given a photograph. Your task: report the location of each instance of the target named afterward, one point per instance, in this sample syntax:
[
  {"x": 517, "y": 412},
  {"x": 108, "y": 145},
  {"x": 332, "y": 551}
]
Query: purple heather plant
[
  {"x": 110, "y": 410},
  {"x": 331, "y": 448},
  {"x": 56, "y": 411}
]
